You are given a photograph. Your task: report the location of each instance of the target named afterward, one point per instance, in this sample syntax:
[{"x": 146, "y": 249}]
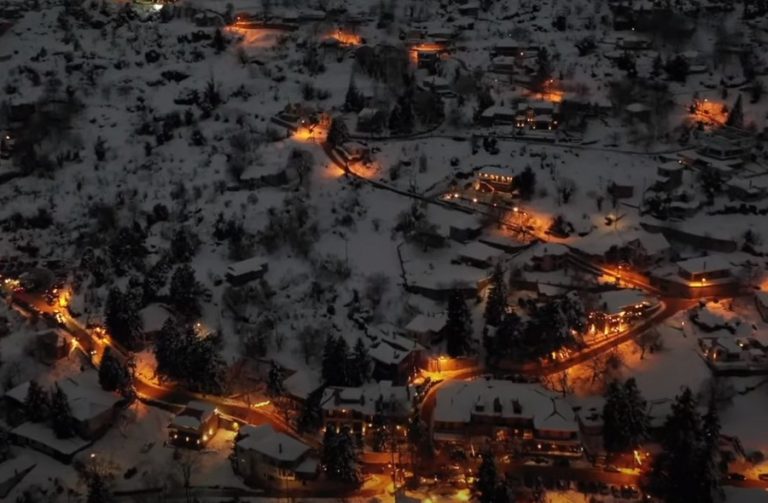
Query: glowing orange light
[{"x": 346, "y": 38}]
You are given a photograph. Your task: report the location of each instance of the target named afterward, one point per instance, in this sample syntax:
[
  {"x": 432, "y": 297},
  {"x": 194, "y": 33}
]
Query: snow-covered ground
[{"x": 129, "y": 83}]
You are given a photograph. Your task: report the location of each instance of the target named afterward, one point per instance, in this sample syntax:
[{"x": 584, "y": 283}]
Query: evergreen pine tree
[
  {"x": 407, "y": 117},
  {"x": 342, "y": 375},
  {"x": 311, "y": 415},
  {"x": 330, "y": 448},
  {"x": 354, "y": 100},
  {"x": 275, "y": 380},
  {"x": 710, "y": 488},
  {"x": 487, "y": 478},
  {"x": 395, "y": 118},
  {"x": 573, "y": 312},
  {"x": 636, "y": 416},
  {"x": 111, "y": 373},
  {"x": 122, "y": 319},
  {"x": 338, "y": 133},
  {"x": 168, "y": 349},
  {"x": 342, "y": 459},
  {"x": 62, "y": 422},
  {"x": 525, "y": 183},
  {"x": 736, "y": 116},
  {"x": 458, "y": 326},
  {"x": 219, "y": 43},
  {"x": 508, "y": 334},
  {"x": 614, "y": 439},
  {"x": 204, "y": 370},
  {"x": 673, "y": 476},
  {"x": 183, "y": 245},
  {"x": 329, "y": 365},
  {"x": 98, "y": 490},
  {"x": 360, "y": 363},
  {"x": 380, "y": 434},
  {"x": 185, "y": 290},
  {"x": 5, "y": 445},
  {"x": 155, "y": 279},
  {"x": 543, "y": 70},
  {"x": 417, "y": 433},
  {"x": 36, "y": 403},
  {"x": 496, "y": 304}
]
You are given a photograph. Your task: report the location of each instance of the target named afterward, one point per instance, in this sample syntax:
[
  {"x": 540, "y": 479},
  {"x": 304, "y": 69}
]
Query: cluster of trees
[
  {"x": 121, "y": 317},
  {"x": 310, "y": 418},
  {"x": 458, "y": 327},
  {"x": 416, "y": 228},
  {"x": 338, "y": 132},
  {"x": 193, "y": 360},
  {"x": 342, "y": 368},
  {"x": 127, "y": 250},
  {"x": 293, "y": 225},
  {"x": 354, "y": 101},
  {"x": 339, "y": 456},
  {"x": 625, "y": 417},
  {"x": 525, "y": 183},
  {"x": 185, "y": 291},
  {"x": 240, "y": 242},
  {"x": 489, "y": 487},
  {"x": 41, "y": 406},
  {"x": 689, "y": 468},
  {"x": 552, "y": 325},
  {"x": 121, "y": 311},
  {"x": 113, "y": 375}
]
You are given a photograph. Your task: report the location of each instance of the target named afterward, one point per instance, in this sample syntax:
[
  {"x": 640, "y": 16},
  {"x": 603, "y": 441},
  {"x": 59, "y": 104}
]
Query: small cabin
[
  {"x": 245, "y": 271},
  {"x": 194, "y": 426}
]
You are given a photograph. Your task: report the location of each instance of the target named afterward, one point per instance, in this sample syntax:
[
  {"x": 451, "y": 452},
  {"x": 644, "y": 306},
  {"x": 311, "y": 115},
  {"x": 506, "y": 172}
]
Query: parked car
[
  {"x": 611, "y": 469},
  {"x": 763, "y": 477},
  {"x": 736, "y": 476}
]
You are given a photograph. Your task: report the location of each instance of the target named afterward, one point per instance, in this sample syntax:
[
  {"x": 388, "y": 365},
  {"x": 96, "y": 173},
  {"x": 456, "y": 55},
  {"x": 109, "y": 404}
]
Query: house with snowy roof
[
  {"x": 543, "y": 257},
  {"x": 92, "y": 408},
  {"x": 707, "y": 276},
  {"x": 247, "y": 270},
  {"x": 264, "y": 457},
  {"x": 426, "y": 329},
  {"x": 617, "y": 310},
  {"x": 93, "y": 411},
  {"x": 507, "y": 416},
  {"x": 735, "y": 355},
  {"x": 356, "y": 407},
  {"x": 194, "y": 426},
  {"x": 395, "y": 358},
  {"x": 638, "y": 247}
]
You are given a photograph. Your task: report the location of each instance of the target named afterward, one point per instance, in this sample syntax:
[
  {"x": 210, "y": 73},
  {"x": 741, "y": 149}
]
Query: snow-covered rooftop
[
  {"x": 86, "y": 398},
  {"x": 363, "y": 399},
  {"x": 302, "y": 382},
  {"x": 457, "y": 401},
  {"x": 709, "y": 263},
  {"x": 425, "y": 323},
  {"x": 265, "y": 440},
  {"x": 254, "y": 264},
  {"x": 41, "y": 433},
  {"x": 615, "y": 301},
  {"x": 153, "y": 317}
]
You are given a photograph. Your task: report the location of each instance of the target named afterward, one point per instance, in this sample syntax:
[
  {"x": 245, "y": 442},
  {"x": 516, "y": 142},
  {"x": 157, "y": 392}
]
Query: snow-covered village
[{"x": 384, "y": 251}]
